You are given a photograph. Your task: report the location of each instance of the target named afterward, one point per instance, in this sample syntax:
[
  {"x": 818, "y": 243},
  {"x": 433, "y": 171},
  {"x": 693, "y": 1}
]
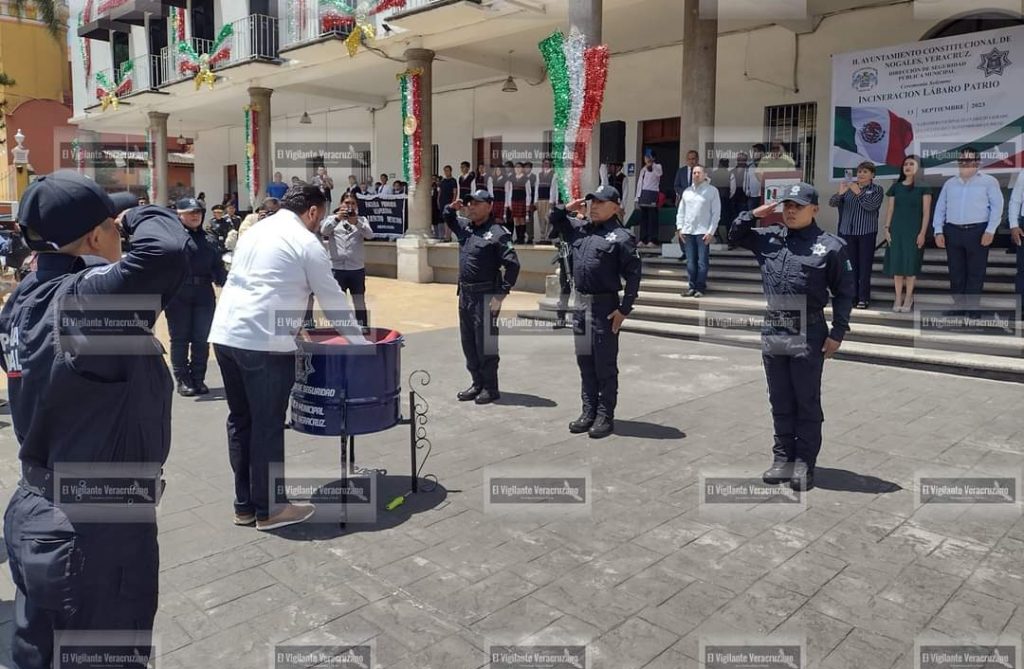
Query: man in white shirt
[
  {"x": 385, "y": 188},
  {"x": 275, "y": 268},
  {"x": 700, "y": 209}
]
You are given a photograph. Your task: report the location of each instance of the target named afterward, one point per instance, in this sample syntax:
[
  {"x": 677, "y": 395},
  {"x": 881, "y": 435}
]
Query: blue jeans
[
  {"x": 697, "y": 262},
  {"x": 257, "y": 385}
]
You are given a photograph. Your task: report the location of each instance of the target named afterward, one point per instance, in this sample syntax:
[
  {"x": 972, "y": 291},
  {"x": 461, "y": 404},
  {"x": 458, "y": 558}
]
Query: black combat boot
[
  {"x": 184, "y": 386},
  {"x": 602, "y": 427},
  {"x": 469, "y": 393},
  {"x": 780, "y": 472},
  {"x": 583, "y": 423},
  {"x": 803, "y": 476},
  {"x": 487, "y": 396}
]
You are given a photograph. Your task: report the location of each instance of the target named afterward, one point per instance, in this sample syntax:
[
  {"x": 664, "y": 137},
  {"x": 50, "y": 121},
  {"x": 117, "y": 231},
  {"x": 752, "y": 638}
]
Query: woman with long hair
[
  {"x": 648, "y": 186},
  {"x": 906, "y": 223}
]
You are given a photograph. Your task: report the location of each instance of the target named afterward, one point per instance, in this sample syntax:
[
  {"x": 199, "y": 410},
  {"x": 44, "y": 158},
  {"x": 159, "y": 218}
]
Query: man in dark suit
[{"x": 684, "y": 175}]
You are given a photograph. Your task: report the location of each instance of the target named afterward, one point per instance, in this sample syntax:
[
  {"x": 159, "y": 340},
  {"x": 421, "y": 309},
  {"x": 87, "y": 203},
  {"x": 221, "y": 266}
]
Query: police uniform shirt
[
  {"x": 207, "y": 263},
  {"x": 70, "y": 404},
  {"x": 483, "y": 251},
  {"x": 218, "y": 229},
  {"x": 603, "y": 254},
  {"x": 807, "y": 262}
]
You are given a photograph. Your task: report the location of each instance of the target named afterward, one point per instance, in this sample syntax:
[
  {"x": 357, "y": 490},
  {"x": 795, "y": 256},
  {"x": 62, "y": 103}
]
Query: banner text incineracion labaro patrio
[{"x": 930, "y": 99}]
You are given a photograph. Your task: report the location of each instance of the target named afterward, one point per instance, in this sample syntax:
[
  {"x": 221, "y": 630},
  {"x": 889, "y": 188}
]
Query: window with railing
[{"x": 790, "y": 133}]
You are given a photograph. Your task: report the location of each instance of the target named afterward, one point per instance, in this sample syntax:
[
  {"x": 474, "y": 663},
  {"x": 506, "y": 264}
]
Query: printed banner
[
  {"x": 931, "y": 99},
  {"x": 386, "y": 213}
]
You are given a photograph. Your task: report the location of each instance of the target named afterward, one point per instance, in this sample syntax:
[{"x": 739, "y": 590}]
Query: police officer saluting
[
  {"x": 190, "y": 313},
  {"x": 485, "y": 249},
  {"x": 603, "y": 254},
  {"x": 76, "y": 404},
  {"x": 800, "y": 265}
]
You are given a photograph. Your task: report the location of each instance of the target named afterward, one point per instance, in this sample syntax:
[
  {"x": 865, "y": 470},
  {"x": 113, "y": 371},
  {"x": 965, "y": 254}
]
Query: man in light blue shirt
[
  {"x": 967, "y": 214},
  {"x": 700, "y": 209}
]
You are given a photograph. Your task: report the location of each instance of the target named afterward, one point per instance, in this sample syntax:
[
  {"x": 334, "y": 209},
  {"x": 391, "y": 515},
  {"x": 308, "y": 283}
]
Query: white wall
[
  {"x": 342, "y": 125},
  {"x": 214, "y": 150}
]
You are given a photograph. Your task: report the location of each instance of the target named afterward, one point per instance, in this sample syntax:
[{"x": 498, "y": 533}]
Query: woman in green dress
[{"x": 906, "y": 222}]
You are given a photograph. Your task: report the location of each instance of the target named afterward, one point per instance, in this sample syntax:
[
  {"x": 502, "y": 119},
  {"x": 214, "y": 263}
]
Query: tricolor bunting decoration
[
  {"x": 578, "y": 77},
  {"x": 202, "y": 65},
  {"x": 252, "y": 162},
  {"x": 412, "y": 131},
  {"x": 108, "y": 93}
]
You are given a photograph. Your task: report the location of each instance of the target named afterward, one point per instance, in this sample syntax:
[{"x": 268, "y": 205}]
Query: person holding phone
[{"x": 345, "y": 233}]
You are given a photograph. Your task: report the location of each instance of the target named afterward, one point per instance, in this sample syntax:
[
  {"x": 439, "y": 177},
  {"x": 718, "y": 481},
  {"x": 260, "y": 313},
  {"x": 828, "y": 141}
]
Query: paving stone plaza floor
[{"x": 857, "y": 572}]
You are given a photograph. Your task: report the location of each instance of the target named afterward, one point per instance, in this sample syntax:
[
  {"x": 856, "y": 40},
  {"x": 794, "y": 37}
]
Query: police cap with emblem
[
  {"x": 189, "y": 204},
  {"x": 800, "y": 193},
  {"x": 481, "y": 196},
  {"x": 605, "y": 194},
  {"x": 64, "y": 206}
]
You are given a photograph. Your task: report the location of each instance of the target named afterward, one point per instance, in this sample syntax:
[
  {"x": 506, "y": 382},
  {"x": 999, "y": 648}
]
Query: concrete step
[
  {"x": 999, "y": 367},
  {"x": 742, "y": 283},
  {"x": 997, "y": 256},
  {"x": 880, "y": 314},
  {"x": 656, "y": 265},
  {"x": 1008, "y": 344}
]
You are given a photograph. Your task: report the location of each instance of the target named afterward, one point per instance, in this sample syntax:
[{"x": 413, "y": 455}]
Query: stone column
[
  {"x": 413, "y": 264},
  {"x": 158, "y": 190},
  {"x": 263, "y": 162},
  {"x": 586, "y": 16},
  {"x": 700, "y": 59}
]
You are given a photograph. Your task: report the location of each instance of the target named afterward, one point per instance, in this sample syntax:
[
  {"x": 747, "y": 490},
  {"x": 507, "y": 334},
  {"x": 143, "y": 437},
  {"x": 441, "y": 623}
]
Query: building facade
[{"x": 769, "y": 66}]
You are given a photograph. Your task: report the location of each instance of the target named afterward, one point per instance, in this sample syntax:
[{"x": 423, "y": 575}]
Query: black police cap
[
  {"x": 605, "y": 194},
  {"x": 189, "y": 204},
  {"x": 58, "y": 208},
  {"x": 801, "y": 193},
  {"x": 481, "y": 195}
]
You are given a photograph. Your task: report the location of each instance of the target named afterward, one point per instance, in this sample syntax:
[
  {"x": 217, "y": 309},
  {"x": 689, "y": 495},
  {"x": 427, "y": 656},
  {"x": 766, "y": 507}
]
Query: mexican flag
[{"x": 872, "y": 133}]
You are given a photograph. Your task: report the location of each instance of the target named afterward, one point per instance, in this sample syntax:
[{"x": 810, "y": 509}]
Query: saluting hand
[
  {"x": 764, "y": 209},
  {"x": 576, "y": 205},
  {"x": 456, "y": 204},
  {"x": 830, "y": 347},
  {"x": 616, "y": 317}
]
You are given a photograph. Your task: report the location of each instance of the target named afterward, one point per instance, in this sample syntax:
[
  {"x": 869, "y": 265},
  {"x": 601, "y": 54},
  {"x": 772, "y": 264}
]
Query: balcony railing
[
  {"x": 147, "y": 72},
  {"x": 305, "y": 22},
  {"x": 253, "y": 37},
  {"x": 171, "y": 60}
]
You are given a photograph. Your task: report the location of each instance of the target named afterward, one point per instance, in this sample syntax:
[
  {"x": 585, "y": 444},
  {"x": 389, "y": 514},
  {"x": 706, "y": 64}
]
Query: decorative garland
[
  {"x": 149, "y": 180},
  {"x": 107, "y": 93},
  {"x": 412, "y": 130},
  {"x": 78, "y": 154},
  {"x": 578, "y": 78},
  {"x": 202, "y": 65},
  {"x": 252, "y": 157},
  {"x": 85, "y": 44},
  {"x": 336, "y": 15},
  {"x": 106, "y": 5}
]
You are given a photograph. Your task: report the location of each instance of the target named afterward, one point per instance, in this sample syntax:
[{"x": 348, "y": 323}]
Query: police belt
[
  {"x": 37, "y": 479},
  {"x": 40, "y": 480},
  {"x": 477, "y": 286}
]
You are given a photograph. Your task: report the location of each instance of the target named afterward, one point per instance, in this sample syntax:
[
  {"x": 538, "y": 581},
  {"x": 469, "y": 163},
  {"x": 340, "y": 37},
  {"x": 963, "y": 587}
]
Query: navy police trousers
[
  {"x": 597, "y": 354},
  {"x": 479, "y": 333},
  {"x": 87, "y": 579},
  {"x": 794, "y": 391}
]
